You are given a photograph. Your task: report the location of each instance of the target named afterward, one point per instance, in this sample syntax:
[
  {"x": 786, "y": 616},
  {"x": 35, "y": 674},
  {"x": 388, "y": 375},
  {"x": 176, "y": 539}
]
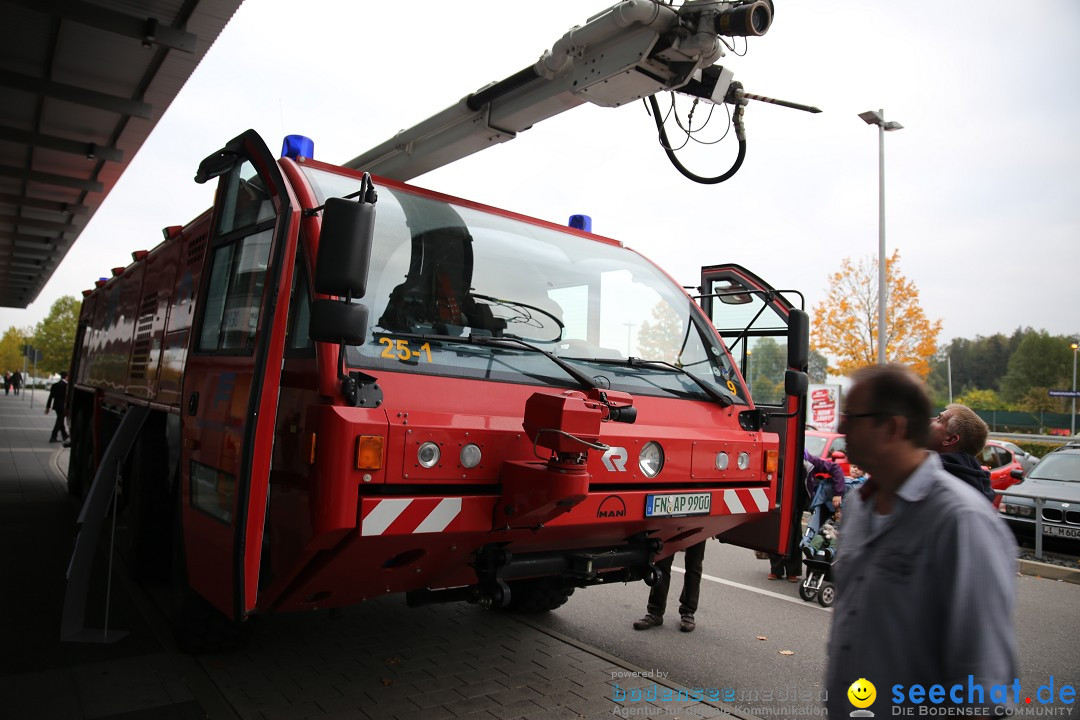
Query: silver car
[{"x": 1055, "y": 480}]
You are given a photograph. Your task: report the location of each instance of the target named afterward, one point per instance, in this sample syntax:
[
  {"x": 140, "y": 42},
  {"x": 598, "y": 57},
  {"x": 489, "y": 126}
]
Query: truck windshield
[{"x": 442, "y": 269}]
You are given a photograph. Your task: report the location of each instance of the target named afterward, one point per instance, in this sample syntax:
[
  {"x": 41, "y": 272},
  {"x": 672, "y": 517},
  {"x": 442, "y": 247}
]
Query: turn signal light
[
  {"x": 369, "y": 452},
  {"x": 772, "y": 461}
]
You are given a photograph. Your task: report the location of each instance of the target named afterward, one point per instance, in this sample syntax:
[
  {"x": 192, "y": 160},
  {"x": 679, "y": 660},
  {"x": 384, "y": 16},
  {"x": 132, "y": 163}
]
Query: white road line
[{"x": 759, "y": 591}]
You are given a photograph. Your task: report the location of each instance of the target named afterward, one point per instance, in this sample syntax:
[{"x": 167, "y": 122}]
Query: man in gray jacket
[{"x": 926, "y": 588}]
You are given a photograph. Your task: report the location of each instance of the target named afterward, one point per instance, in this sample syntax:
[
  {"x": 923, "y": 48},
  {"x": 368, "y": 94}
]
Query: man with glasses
[
  {"x": 957, "y": 435},
  {"x": 925, "y": 584}
]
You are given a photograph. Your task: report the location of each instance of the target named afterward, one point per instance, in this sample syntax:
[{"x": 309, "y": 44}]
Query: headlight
[
  {"x": 428, "y": 455},
  {"x": 744, "y": 460},
  {"x": 470, "y": 456},
  {"x": 722, "y": 461},
  {"x": 651, "y": 459}
]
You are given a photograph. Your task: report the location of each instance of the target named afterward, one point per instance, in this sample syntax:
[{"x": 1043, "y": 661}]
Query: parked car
[
  {"x": 1005, "y": 469},
  {"x": 829, "y": 445},
  {"x": 1026, "y": 459},
  {"x": 1055, "y": 479}
]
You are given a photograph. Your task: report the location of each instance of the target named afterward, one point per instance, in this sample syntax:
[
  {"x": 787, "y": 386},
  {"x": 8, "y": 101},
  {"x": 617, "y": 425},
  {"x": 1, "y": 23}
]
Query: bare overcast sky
[{"x": 982, "y": 184}]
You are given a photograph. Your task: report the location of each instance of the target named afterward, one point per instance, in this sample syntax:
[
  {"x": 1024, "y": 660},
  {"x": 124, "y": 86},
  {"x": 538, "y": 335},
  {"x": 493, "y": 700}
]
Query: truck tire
[
  {"x": 80, "y": 460},
  {"x": 145, "y": 522},
  {"x": 199, "y": 627},
  {"x": 537, "y": 595}
]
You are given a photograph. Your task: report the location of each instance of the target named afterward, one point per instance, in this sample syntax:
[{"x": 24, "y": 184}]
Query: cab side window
[
  {"x": 239, "y": 257},
  {"x": 298, "y": 342}
]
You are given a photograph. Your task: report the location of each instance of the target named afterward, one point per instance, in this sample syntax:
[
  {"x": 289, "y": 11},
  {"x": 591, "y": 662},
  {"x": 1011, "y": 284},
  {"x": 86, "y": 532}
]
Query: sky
[{"x": 982, "y": 184}]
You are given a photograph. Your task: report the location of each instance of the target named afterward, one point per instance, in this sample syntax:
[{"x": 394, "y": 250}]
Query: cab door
[
  {"x": 233, "y": 371},
  {"x": 767, "y": 336}
]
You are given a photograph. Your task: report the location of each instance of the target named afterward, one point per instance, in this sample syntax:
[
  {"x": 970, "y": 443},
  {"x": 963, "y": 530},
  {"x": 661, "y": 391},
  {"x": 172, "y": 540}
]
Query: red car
[
  {"x": 1005, "y": 469},
  {"x": 829, "y": 445}
]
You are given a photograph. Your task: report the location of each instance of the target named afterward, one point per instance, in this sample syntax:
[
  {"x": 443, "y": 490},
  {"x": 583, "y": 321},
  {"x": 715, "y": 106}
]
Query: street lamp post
[
  {"x": 877, "y": 117},
  {"x": 1072, "y": 420}
]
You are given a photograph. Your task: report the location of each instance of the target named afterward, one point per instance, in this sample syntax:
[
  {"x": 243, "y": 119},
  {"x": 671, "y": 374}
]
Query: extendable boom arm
[{"x": 632, "y": 50}]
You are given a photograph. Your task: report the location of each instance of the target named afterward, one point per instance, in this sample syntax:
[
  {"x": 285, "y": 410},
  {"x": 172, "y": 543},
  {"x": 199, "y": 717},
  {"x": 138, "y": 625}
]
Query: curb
[{"x": 1048, "y": 571}]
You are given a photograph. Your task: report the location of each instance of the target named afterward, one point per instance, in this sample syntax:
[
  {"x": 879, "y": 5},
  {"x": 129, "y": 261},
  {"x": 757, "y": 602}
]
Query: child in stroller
[{"x": 820, "y": 544}]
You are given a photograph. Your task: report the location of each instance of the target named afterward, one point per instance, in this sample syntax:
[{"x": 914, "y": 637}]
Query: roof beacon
[{"x": 295, "y": 146}]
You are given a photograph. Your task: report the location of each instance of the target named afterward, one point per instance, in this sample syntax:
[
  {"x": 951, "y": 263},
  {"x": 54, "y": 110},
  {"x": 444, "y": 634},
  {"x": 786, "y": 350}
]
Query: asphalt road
[{"x": 755, "y": 635}]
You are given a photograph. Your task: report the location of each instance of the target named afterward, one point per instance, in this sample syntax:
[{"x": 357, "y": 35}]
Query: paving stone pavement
[{"x": 377, "y": 661}]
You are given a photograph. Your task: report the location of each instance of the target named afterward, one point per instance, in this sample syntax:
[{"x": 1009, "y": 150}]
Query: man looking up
[
  {"x": 926, "y": 590},
  {"x": 957, "y": 434}
]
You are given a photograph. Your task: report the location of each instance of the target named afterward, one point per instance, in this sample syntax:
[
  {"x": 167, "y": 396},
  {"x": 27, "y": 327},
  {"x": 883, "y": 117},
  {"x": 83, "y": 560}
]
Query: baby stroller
[
  {"x": 819, "y": 547},
  {"x": 819, "y": 558}
]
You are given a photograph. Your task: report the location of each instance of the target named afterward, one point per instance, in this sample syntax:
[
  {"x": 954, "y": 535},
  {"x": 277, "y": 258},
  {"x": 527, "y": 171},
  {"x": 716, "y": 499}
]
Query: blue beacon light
[
  {"x": 297, "y": 145},
  {"x": 581, "y": 222}
]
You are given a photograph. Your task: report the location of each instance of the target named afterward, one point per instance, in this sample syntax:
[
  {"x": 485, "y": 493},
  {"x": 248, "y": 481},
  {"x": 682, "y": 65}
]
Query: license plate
[
  {"x": 1064, "y": 532},
  {"x": 678, "y": 504}
]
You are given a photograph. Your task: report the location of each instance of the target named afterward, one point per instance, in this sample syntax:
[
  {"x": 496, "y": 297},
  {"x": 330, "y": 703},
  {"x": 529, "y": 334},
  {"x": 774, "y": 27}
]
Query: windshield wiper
[
  {"x": 582, "y": 379},
  {"x": 711, "y": 391}
]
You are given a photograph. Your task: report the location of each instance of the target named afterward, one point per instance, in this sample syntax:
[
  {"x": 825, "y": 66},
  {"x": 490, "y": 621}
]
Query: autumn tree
[
  {"x": 55, "y": 335},
  {"x": 11, "y": 354},
  {"x": 846, "y": 326}
]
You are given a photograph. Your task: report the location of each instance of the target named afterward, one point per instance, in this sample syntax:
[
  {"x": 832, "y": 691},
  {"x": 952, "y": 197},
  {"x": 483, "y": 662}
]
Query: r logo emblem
[{"x": 615, "y": 459}]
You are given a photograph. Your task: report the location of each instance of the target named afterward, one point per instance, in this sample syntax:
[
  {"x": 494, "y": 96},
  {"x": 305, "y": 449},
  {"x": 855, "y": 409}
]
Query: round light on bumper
[
  {"x": 470, "y": 456},
  {"x": 428, "y": 455},
  {"x": 651, "y": 459}
]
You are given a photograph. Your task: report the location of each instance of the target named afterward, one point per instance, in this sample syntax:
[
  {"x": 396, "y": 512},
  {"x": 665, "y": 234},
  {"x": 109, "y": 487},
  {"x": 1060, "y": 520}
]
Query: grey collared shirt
[{"x": 924, "y": 597}]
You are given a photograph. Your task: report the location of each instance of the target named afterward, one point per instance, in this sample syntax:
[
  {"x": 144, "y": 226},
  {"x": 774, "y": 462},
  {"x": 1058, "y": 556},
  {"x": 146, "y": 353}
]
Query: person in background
[
  {"x": 958, "y": 435},
  {"x": 58, "y": 401},
  {"x": 16, "y": 381},
  {"x": 694, "y": 556},
  {"x": 818, "y": 491},
  {"x": 926, "y": 593},
  {"x": 7, "y": 382}
]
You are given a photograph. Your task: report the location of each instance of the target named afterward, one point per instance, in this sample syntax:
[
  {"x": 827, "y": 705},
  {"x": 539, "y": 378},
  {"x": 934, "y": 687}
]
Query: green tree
[
  {"x": 11, "y": 354},
  {"x": 661, "y": 338},
  {"x": 766, "y": 363},
  {"x": 818, "y": 370},
  {"x": 55, "y": 335},
  {"x": 1040, "y": 362},
  {"x": 981, "y": 400}
]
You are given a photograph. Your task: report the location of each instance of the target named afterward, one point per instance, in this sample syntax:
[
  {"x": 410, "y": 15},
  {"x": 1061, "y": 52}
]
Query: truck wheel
[
  {"x": 537, "y": 595},
  {"x": 145, "y": 531},
  {"x": 827, "y": 595},
  {"x": 807, "y": 593},
  {"x": 80, "y": 461},
  {"x": 199, "y": 626}
]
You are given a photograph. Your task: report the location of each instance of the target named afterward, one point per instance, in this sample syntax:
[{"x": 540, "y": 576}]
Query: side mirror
[
  {"x": 798, "y": 340},
  {"x": 338, "y": 322},
  {"x": 1017, "y": 474},
  {"x": 795, "y": 382},
  {"x": 341, "y": 268}
]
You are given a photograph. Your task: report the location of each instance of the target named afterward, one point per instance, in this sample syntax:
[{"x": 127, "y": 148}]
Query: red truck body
[{"x": 463, "y": 469}]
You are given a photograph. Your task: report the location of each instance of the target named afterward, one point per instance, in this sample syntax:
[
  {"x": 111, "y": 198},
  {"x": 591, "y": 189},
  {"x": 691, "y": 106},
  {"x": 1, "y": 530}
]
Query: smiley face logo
[{"x": 862, "y": 693}]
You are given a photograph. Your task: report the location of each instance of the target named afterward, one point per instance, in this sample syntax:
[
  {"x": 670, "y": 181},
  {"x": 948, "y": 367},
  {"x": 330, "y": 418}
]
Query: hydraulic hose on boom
[{"x": 628, "y": 52}]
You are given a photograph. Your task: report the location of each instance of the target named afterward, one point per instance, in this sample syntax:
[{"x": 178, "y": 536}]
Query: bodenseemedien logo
[{"x": 862, "y": 694}]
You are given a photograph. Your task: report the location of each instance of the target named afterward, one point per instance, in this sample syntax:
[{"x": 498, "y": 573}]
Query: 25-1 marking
[{"x": 399, "y": 350}]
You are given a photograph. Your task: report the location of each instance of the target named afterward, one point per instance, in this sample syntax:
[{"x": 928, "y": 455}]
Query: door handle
[{"x": 193, "y": 403}]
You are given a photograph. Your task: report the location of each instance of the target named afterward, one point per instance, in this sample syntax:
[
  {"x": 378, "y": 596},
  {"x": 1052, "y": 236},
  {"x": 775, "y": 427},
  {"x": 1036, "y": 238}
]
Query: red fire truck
[{"x": 353, "y": 386}]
